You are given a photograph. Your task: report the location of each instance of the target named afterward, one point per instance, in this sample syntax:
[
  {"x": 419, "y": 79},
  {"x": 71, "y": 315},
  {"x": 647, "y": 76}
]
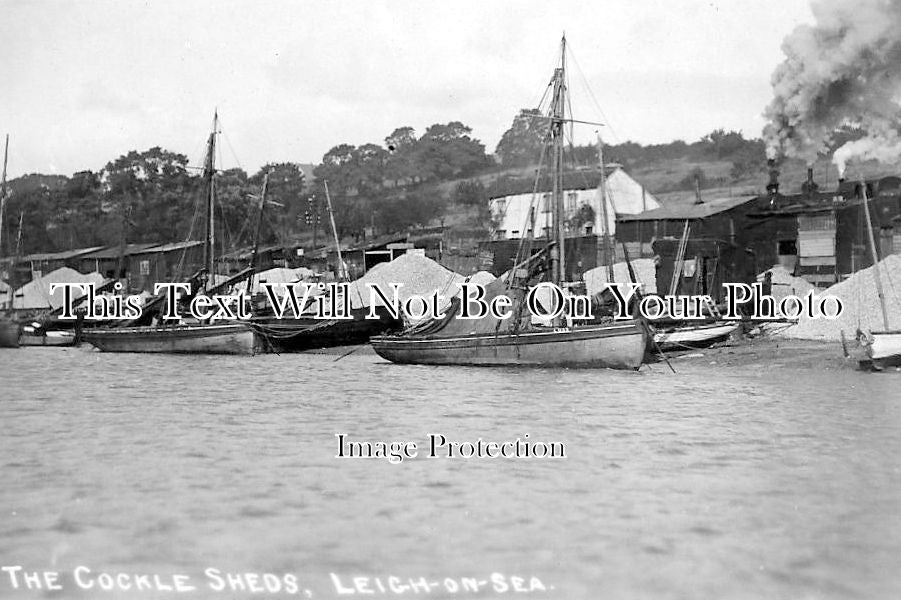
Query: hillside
[{"x": 150, "y": 196}]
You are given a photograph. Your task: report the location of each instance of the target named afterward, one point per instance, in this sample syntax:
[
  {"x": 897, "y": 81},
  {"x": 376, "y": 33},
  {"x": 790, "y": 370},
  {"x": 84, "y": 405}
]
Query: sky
[{"x": 82, "y": 83}]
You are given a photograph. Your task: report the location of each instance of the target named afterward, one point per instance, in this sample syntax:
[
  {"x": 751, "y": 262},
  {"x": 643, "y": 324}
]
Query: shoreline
[{"x": 771, "y": 351}]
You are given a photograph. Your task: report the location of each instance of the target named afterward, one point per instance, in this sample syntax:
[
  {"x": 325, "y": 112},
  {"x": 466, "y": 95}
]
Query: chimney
[
  {"x": 773, "y": 186},
  {"x": 810, "y": 188}
]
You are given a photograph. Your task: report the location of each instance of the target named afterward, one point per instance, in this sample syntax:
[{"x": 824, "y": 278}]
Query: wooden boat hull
[
  {"x": 883, "y": 350},
  {"x": 232, "y": 338},
  {"x": 298, "y": 335},
  {"x": 615, "y": 346},
  {"x": 9, "y": 333},
  {"x": 48, "y": 338},
  {"x": 694, "y": 336},
  {"x": 885, "y": 345}
]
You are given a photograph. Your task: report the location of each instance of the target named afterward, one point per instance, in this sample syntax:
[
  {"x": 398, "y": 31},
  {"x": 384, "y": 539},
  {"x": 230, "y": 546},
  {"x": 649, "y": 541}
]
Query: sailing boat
[
  {"x": 308, "y": 333},
  {"x": 882, "y": 347},
  {"x": 199, "y": 338},
  {"x": 9, "y": 327},
  {"x": 516, "y": 341}
]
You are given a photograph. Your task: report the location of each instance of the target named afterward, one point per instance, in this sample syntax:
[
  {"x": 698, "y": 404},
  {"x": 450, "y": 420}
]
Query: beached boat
[
  {"x": 35, "y": 335},
  {"x": 230, "y": 338},
  {"x": 883, "y": 347},
  {"x": 517, "y": 341},
  {"x": 196, "y": 338},
  {"x": 685, "y": 337},
  {"x": 615, "y": 346},
  {"x": 306, "y": 333}
]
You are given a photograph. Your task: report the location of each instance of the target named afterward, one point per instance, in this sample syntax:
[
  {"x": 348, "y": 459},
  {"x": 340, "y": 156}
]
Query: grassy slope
[{"x": 467, "y": 225}]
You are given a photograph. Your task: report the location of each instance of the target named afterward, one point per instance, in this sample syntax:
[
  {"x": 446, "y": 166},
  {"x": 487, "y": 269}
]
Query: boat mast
[
  {"x": 256, "y": 235},
  {"x": 209, "y": 173},
  {"x": 19, "y": 233},
  {"x": 605, "y": 228},
  {"x": 3, "y": 192},
  {"x": 342, "y": 270},
  {"x": 557, "y": 119},
  {"x": 866, "y": 212}
]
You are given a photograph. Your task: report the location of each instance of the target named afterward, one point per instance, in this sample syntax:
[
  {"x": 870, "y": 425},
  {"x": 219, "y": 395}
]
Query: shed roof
[
  {"x": 689, "y": 211},
  {"x": 378, "y": 242},
  {"x": 64, "y": 255},
  {"x": 114, "y": 251},
  {"x": 169, "y": 247}
]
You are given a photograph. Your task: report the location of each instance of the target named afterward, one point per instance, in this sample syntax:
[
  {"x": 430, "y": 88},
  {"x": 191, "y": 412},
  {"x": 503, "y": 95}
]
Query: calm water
[{"x": 749, "y": 483}]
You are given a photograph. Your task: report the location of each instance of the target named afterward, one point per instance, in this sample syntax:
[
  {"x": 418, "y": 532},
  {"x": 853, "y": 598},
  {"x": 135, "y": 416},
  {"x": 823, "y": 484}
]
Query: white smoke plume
[
  {"x": 843, "y": 71},
  {"x": 885, "y": 149}
]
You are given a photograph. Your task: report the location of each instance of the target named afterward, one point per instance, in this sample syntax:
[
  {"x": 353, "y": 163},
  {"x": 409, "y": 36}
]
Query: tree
[
  {"x": 520, "y": 145},
  {"x": 369, "y": 168},
  {"x": 722, "y": 144},
  {"x": 235, "y": 208},
  {"x": 401, "y": 162},
  {"x": 750, "y": 161},
  {"x": 407, "y": 209},
  {"x": 287, "y": 189},
  {"x": 446, "y": 151},
  {"x": 400, "y": 138},
  {"x": 82, "y": 184},
  {"x": 150, "y": 189},
  {"x": 333, "y": 168},
  {"x": 470, "y": 193}
]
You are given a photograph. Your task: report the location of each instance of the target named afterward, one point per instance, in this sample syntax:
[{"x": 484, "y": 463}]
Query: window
[{"x": 787, "y": 248}]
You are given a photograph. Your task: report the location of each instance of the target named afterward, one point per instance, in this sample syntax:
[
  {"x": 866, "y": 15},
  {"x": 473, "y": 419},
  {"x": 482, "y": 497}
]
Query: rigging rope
[{"x": 594, "y": 99}]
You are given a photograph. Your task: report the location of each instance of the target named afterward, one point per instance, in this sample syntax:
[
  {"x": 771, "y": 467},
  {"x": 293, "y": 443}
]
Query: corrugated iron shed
[{"x": 689, "y": 211}]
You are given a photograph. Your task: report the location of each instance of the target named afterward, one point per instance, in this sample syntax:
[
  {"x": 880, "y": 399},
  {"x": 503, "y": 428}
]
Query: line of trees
[
  {"x": 408, "y": 180},
  {"x": 396, "y": 185},
  {"x": 149, "y": 196},
  {"x": 520, "y": 146}
]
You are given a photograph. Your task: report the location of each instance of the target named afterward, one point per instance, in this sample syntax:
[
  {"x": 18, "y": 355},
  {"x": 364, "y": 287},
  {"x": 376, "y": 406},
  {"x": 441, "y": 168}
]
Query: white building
[{"x": 511, "y": 213}]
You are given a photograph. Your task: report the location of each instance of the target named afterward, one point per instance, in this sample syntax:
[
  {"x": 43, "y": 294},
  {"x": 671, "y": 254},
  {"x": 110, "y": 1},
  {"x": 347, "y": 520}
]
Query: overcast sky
[{"x": 84, "y": 82}]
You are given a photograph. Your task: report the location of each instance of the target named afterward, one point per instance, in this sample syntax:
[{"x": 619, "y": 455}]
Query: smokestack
[{"x": 773, "y": 186}]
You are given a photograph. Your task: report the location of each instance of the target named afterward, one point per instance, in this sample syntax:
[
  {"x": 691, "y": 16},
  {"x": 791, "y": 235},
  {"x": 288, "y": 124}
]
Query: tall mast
[
  {"x": 3, "y": 192},
  {"x": 866, "y": 212},
  {"x": 256, "y": 235},
  {"x": 342, "y": 270},
  {"x": 209, "y": 173},
  {"x": 19, "y": 233},
  {"x": 605, "y": 244},
  {"x": 558, "y": 115}
]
